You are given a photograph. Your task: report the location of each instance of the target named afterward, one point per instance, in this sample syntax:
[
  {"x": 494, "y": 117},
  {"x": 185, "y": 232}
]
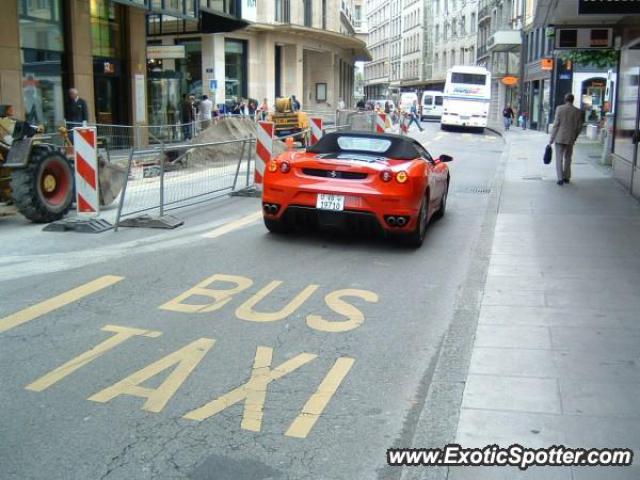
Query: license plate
[{"x": 330, "y": 202}]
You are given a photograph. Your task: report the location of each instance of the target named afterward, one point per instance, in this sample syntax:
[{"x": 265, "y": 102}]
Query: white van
[
  {"x": 406, "y": 100},
  {"x": 431, "y": 104}
]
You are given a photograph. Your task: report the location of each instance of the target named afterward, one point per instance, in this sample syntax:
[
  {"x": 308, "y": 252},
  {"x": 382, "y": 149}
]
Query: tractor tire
[{"x": 43, "y": 190}]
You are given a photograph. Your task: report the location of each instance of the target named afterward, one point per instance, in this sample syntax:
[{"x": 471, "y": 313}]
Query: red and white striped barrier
[
  {"x": 381, "y": 122},
  {"x": 264, "y": 149},
  {"x": 316, "y": 130},
  {"x": 87, "y": 185}
]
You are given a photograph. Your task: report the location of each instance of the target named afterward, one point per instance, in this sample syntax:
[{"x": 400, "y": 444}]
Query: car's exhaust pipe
[
  {"x": 391, "y": 221},
  {"x": 401, "y": 222},
  {"x": 273, "y": 209}
]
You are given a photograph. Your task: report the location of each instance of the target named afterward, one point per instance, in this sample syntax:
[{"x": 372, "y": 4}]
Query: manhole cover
[{"x": 532, "y": 177}]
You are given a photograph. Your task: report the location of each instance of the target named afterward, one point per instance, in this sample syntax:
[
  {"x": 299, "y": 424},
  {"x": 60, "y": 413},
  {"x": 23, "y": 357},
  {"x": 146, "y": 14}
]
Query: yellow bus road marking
[
  {"x": 316, "y": 404},
  {"x": 235, "y": 225},
  {"x": 122, "y": 334},
  {"x": 42, "y": 308}
]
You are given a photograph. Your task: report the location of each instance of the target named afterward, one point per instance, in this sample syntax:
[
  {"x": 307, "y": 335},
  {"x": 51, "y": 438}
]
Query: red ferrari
[{"x": 360, "y": 180}]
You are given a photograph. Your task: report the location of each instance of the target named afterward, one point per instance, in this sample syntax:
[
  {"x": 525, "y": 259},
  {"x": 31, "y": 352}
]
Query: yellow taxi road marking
[
  {"x": 334, "y": 301},
  {"x": 59, "y": 301},
  {"x": 246, "y": 311},
  {"x": 187, "y": 358},
  {"x": 122, "y": 334},
  {"x": 234, "y": 225},
  {"x": 253, "y": 392},
  {"x": 316, "y": 404}
]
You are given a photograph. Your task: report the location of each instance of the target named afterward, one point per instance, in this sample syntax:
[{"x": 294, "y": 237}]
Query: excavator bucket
[{"x": 111, "y": 177}]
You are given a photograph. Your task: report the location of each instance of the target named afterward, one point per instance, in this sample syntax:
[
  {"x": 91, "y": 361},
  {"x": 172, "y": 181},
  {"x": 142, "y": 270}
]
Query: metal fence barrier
[{"x": 168, "y": 177}]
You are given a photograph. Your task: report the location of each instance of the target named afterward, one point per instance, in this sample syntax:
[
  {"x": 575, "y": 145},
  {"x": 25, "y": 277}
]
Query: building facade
[
  {"x": 623, "y": 20},
  {"x": 499, "y": 42},
  {"x": 377, "y": 71},
  {"x": 454, "y": 36},
  {"x": 133, "y": 60}
]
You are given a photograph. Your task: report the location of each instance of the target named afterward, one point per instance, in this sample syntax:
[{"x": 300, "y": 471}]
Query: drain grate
[
  {"x": 475, "y": 190},
  {"x": 532, "y": 177}
]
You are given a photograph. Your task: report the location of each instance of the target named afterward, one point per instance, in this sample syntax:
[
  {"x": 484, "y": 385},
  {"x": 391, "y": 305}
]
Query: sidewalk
[{"x": 556, "y": 356}]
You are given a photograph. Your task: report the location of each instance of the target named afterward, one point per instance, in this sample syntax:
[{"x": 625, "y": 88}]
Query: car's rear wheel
[
  {"x": 443, "y": 202},
  {"x": 276, "y": 226},
  {"x": 416, "y": 238}
]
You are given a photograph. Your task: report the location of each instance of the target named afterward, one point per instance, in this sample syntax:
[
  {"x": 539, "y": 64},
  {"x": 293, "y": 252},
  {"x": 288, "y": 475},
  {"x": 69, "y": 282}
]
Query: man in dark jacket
[
  {"x": 186, "y": 117},
  {"x": 77, "y": 111}
]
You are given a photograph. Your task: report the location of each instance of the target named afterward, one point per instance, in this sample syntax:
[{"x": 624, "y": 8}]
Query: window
[
  {"x": 235, "y": 60},
  {"x": 41, "y": 39},
  {"x": 468, "y": 78},
  {"x": 308, "y": 13},
  {"x": 364, "y": 144},
  {"x": 283, "y": 11}
]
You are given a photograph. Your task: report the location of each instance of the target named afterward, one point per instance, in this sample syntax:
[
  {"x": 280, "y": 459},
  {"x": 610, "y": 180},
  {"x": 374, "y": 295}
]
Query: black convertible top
[{"x": 401, "y": 148}]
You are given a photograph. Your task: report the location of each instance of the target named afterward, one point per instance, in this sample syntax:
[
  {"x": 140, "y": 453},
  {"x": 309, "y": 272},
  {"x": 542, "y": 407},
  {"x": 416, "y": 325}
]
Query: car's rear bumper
[{"x": 298, "y": 206}]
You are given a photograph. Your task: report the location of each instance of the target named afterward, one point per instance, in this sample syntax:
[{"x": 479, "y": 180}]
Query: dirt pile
[{"x": 229, "y": 128}]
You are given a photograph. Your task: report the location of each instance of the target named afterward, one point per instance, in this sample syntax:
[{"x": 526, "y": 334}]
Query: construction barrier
[
  {"x": 264, "y": 149},
  {"x": 316, "y": 130},
  {"x": 86, "y": 166},
  {"x": 381, "y": 122}
]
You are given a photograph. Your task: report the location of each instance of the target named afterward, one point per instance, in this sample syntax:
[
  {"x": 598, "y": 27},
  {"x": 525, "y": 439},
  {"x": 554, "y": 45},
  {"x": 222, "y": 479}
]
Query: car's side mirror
[{"x": 445, "y": 158}]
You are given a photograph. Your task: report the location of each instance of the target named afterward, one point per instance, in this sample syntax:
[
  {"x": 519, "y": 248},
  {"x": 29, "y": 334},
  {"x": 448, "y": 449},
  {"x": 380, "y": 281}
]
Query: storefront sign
[
  {"x": 509, "y": 81},
  {"x": 165, "y": 51},
  {"x": 606, "y": 7},
  {"x": 546, "y": 64},
  {"x": 581, "y": 38}
]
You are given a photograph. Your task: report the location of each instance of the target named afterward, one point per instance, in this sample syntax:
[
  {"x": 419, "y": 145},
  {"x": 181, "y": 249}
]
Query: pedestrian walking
[
  {"x": 567, "y": 125},
  {"x": 507, "y": 116},
  {"x": 77, "y": 111},
  {"x": 413, "y": 116},
  {"x": 206, "y": 109}
]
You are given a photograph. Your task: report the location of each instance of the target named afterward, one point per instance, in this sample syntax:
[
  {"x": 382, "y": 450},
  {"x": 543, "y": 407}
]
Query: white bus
[{"x": 467, "y": 96}]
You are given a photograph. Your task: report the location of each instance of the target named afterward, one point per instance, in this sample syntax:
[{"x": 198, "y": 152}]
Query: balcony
[
  {"x": 484, "y": 14},
  {"x": 504, "y": 41}
]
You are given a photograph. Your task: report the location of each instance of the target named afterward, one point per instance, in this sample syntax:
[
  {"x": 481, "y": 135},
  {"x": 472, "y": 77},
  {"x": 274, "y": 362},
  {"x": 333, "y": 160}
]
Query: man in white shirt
[{"x": 206, "y": 107}]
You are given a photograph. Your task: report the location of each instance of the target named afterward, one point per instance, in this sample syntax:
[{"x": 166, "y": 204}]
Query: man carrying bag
[{"x": 566, "y": 128}]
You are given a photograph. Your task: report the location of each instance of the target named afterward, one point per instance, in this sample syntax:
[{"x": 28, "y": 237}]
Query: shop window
[
  {"x": 235, "y": 59},
  {"x": 42, "y": 42},
  {"x": 628, "y": 104}
]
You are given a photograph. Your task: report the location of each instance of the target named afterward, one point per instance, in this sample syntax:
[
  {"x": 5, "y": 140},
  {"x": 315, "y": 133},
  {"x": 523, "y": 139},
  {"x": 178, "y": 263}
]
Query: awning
[{"x": 214, "y": 21}]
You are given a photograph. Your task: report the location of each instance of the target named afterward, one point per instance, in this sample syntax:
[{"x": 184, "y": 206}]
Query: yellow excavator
[{"x": 287, "y": 121}]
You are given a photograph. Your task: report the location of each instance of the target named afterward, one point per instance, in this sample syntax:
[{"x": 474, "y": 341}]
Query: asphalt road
[{"x": 223, "y": 352}]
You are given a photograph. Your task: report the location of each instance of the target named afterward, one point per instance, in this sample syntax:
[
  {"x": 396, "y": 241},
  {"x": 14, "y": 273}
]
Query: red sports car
[{"x": 363, "y": 180}]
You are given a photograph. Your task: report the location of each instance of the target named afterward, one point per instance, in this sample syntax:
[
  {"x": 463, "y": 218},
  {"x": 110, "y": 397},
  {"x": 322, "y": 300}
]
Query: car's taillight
[
  {"x": 273, "y": 166},
  {"x": 285, "y": 167},
  {"x": 386, "y": 175},
  {"x": 402, "y": 177}
]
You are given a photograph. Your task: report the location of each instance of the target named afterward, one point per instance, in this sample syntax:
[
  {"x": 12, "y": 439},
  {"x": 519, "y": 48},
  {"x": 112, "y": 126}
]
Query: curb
[
  {"x": 437, "y": 423},
  {"x": 496, "y": 131}
]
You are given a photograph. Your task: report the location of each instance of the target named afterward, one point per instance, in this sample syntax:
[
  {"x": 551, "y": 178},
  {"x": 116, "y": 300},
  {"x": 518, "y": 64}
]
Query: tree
[{"x": 603, "y": 59}]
